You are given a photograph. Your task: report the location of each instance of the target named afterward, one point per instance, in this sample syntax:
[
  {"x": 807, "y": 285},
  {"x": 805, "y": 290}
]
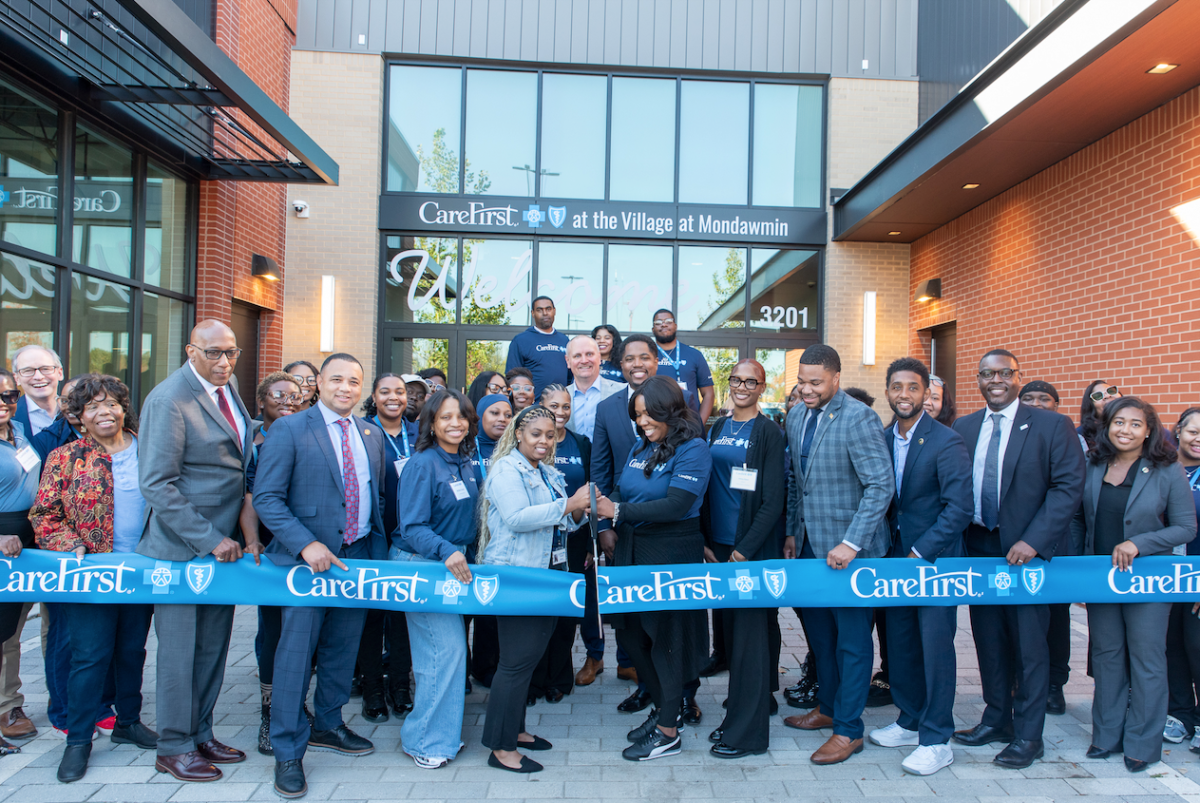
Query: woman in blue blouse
[
  {"x": 437, "y": 523},
  {"x": 608, "y": 341},
  {"x": 656, "y": 510}
]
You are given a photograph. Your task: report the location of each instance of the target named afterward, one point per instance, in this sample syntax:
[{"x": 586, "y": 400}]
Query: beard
[
  {"x": 663, "y": 338},
  {"x": 916, "y": 411}
]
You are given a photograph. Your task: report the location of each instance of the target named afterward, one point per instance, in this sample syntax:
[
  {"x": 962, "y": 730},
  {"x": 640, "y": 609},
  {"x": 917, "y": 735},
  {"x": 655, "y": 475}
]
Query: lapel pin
[
  {"x": 1145, "y": 469},
  {"x": 1024, "y": 427},
  {"x": 367, "y": 431},
  {"x": 920, "y": 441}
]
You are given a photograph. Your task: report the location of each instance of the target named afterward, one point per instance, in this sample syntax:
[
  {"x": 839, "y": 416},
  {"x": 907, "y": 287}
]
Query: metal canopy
[{"x": 147, "y": 68}]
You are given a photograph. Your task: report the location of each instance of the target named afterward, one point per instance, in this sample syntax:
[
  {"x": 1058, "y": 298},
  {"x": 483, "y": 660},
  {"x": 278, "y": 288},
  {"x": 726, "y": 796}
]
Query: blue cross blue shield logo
[
  {"x": 199, "y": 575},
  {"x": 485, "y": 588},
  {"x": 449, "y": 589},
  {"x": 558, "y": 216},
  {"x": 162, "y": 577},
  {"x": 744, "y": 584},
  {"x": 533, "y": 216},
  {"x": 1033, "y": 578},
  {"x": 776, "y": 582},
  {"x": 1002, "y": 581},
  {"x": 4, "y": 196}
]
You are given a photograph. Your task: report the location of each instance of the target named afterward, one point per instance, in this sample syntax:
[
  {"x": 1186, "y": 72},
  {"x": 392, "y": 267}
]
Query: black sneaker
[
  {"x": 289, "y": 779},
  {"x": 135, "y": 733},
  {"x": 639, "y": 733},
  {"x": 340, "y": 740},
  {"x": 654, "y": 744}
]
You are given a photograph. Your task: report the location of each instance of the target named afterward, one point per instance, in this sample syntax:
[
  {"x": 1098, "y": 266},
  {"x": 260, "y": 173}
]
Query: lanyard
[
  {"x": 545, "y": 479},
  {"x": 1194, "y": 479},
  {"x": 482, "y": 461},
  {"x": 675, "y": 361},
  {"x": 403, "y": 434}
]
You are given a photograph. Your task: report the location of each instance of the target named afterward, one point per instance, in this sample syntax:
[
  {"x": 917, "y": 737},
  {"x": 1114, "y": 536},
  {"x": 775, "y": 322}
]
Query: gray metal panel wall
[
  {"x": 807, "y": 36},
  {"x": 200, "y": 12}
]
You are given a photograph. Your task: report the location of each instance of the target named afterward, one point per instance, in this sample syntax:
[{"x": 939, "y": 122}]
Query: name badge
[
  {"x": 28, "y": 458},
  {"x": 743, "y": 479},
  {"x": 682, "y": 385},
  {"x": 558, "y": 557},
  {"x": 460, "y": 490},
  {"x": 399, "y": 464}
]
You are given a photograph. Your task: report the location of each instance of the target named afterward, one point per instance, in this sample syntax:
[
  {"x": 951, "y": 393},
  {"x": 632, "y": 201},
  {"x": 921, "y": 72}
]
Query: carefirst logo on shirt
[
  {"x": 640, "y": 465},
  {"x": 729, "y": 440},
  {"x": 552, "y": 347}
]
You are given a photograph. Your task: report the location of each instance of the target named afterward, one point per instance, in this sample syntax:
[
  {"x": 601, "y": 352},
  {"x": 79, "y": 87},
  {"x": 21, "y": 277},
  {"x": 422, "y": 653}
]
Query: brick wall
[
  {"x": 238, "y": 219},
  {"x": 1083, "y": 271}
]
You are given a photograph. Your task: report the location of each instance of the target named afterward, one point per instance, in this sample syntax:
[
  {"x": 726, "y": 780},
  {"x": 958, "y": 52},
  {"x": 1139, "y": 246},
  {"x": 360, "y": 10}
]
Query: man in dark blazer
[
  {"x": 838, "y": 497},
  {"x": 929, "y": 512},
  {"x": 1027, "y": 480},
  {"x": 319, "y": 490},
  {"x": 193, "y": 443}
]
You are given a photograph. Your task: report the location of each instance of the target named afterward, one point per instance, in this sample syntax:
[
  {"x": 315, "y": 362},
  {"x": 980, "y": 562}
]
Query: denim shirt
[
  {"x": 434, "y": 522},
  {"x": 523, "y": 513}
]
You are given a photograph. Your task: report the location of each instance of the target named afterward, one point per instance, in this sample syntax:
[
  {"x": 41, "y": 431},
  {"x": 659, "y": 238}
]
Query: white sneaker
[
  {"x": 928, "y": 759},
  {"x": 1174, "y": 731},
  {"x": 894, "y": 736},
  {"x": 430, "y": 763}
]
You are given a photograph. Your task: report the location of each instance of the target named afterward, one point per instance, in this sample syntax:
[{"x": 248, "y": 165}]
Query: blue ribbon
[{"x": 45, "y": 576}]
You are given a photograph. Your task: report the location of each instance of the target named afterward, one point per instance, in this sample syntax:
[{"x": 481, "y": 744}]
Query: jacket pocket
[{"x": 306, "y": 512}]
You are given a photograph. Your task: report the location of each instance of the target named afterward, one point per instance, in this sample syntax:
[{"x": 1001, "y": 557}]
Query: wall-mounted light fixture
[
  {"x": 327, "y": 284},
  {"x": 264, "y": 267},
  {"x": 928, "y": 290},
  {"x": 868, "y": 346}
]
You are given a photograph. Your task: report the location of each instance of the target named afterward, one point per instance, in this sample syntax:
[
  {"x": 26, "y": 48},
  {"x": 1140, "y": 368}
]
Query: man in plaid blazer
[{"x": 838, "y": 496}]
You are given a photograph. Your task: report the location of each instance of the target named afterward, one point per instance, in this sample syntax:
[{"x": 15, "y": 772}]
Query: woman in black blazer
[
  {"x": 746, "y": 497},
  {"x": 1133, "y": 485}
]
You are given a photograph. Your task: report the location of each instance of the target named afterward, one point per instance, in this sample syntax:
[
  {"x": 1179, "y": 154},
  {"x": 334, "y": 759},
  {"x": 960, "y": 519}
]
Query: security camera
[{"x": 301, "y": 208}]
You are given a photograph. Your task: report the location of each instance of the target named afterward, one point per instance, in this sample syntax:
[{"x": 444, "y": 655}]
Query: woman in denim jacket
[{"x": 524, "y": 519}]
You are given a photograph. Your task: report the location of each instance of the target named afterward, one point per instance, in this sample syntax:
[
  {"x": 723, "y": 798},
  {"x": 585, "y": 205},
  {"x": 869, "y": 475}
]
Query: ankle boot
[{"x": 264, "y": 727}]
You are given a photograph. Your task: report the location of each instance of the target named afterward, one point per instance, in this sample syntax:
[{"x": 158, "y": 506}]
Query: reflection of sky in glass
[
  {"x": 573, "y": 275},
  {"x": 712, "y": 283},
  {"x": 643, "y": 140},
  {"x": 639, "y": 282},
  {"x": 714, "y": 142},
  {"x": 574, "y": 109},
  {"x": 423, "y": 100},
  {"x": 787, "y": 145},
  {"x": 498, "y": 278},
  {"x": 502, "y": 129}
]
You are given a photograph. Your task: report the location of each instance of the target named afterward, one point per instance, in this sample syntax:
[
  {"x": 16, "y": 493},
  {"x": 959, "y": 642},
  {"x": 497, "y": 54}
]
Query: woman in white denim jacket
[{"x": 525, "y": 516}]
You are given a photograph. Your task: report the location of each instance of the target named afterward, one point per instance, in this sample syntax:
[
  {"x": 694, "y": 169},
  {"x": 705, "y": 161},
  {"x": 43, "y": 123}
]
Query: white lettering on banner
[
  {"x": 640, "y": 221},
  {"x": 79, "y": 579},
  {"x": 929, "y": 584},
  {"x": 476, "y": 214},
  {"x": 710, "y": 224},
  {"x": 1184, "y": 580},
  {"x": 665, "y": 588},
  {"x": 363, "y": 584}
]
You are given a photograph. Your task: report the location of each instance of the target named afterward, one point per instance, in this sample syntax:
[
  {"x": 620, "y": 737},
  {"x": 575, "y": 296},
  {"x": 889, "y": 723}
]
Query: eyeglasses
[
  {"x": 45, "y": 370},
  {"x": 280, "y": 395},
  {"x": 521, "y": 388},
  {"x": 664, "y": 322},
  {"x": 738, "y": 382},
  {"x": 988, "y": 373},
  {"x": 1100, "y": 394},
  {"x": 934, "y": 379},
  {"x": 215, "y": 354},
  {"x": 302, "y": 380},
  {"x": 10, "y": 396},
  {"x": 494, "y": 388}
]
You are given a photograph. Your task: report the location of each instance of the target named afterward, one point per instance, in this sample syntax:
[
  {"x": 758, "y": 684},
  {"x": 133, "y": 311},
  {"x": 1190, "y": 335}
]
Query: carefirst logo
[
  {"x": 361, "y": 583},
  {"x": 928, "y": 584},
  {"x": 72, "y": 577},
  {"x": 1185, "y": 579},
  {"x": 665, "y": 588}
]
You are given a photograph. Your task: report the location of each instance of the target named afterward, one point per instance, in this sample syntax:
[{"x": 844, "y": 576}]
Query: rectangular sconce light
[
  {"x": 264, "y": 267},
  {"x": 327, "y": 284},
  {"x": 868, "y": 347},
  {"x": 928, "y": 290}
]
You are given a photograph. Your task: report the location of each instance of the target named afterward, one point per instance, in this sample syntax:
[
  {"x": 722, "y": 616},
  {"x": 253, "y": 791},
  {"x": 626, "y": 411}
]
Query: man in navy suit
[
  {"x": 319, "y": 491},
  {"x": 930, "y": 510},
  {"x": 1027, "y": 481}
]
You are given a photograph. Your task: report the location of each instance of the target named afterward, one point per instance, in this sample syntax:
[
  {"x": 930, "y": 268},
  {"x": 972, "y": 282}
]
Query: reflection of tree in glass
[
  {"x": 775, "y": 364},
  {"x": 441, "y": 168},
  {"x": 726, "y": 283}
]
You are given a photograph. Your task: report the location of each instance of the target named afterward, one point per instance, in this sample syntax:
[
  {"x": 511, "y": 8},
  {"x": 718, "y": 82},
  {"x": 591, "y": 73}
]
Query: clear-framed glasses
[
  {"x": 304, "y": 380},
  {"x": 664, "y": 322},
  {"x": 215, "y": 354},
  {"x": 1099, "y": 395},
  {"x": 1006, "y": 373},
  {"x": 520, "y": 388},
  {"x": 284, "y": 396},
  {"x": 748, "y": 384},
  {"x": 44, "y": 370}
]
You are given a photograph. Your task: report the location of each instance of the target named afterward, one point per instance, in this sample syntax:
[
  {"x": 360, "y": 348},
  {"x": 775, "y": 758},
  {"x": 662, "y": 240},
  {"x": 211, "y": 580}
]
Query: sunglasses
[
  {"x": 1100, "y": 394},
  {"x": 10, "y": 396},
  {"x": 279, "y": 395}
]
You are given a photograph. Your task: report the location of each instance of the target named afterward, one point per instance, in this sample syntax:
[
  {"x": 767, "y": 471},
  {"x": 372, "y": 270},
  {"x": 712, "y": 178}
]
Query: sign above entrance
[{"x": 496, "y": 215}]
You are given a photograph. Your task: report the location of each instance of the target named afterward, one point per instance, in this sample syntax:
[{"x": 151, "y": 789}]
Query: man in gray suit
[
  {"x": 838, "y": 497},
  {"x": 319, "y": 489},
  {"x": 192, "y": 447}
]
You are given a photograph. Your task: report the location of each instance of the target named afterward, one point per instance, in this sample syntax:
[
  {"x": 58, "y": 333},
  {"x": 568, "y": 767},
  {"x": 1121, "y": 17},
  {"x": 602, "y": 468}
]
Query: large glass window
[
  {"x": 574, "y": 117},
  {"x": 412, "y": 354},
  {"x": 164, "y": 333},
  {"x": 639, "y": 282},
  {"x": 421, "y": 282},
  {"x": 573, "y": 275},
  {"x": 28, "y": 172},
  {"x": 714, "y": 131},
  {"x": 166, "y": 242},
  {"x": 497, "y": 277},
  {"x": 100, "y": 327},
  {"x": 103, "y": 236},
  {"x": 787, "y": 145},
  {"x": 712, "y": 288},
  {"x": 26, "y": 305},
  {"x": 643, "y": 139},
  {"x": 424, "y": 130},
  {"x": 502, "y": 132},
  {"x": 783, "y": 289}
]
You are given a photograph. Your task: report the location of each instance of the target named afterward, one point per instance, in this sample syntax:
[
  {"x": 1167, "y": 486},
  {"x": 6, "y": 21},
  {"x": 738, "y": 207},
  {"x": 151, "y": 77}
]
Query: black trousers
[
  {"x": 1183, "y": 665},
  {"x": 270, "y": 624},
  {"x": 384, "y": 630},
  {"x": 522, "y": 641},
  {"x": 654, "y": 641},
  {"x": 555, "y": 670},
  {"x": 753, "y": 656},
  {"x": 14, "y": 523},
  {"x": 1059, "y": 642},
  {"x": 1010, "y": 641},
  {"x": 483, "y": 653}
]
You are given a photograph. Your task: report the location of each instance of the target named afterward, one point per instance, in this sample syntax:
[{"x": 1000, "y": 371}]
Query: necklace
[{"x": 737, "y": 431}]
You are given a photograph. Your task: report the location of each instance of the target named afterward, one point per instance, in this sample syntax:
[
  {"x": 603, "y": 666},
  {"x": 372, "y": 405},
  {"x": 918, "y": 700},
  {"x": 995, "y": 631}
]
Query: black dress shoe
[
  {"x": 289, "y": 779},
  {"x": 527, "y": 764},
  {"x": 1055, "y": 702},
  {"x": 880, "y": 692},
  {"x": 136, "y": 733},
  {"x": 74, "y": 762},
  {"x": 374, "y": 707},
  {"x": 530, "y": 701},
  {"x": 1097, "y": 752},
  {"x": 725, "y": 751},
  {"x": 803, "y": 694},
  {"x": 634, "y": 702},
  {"x": 340, "y": 740},
  {"x": 554, "y": 696},
  {"x": 717, "y": 736},
  {"x": 1135, "y": 764},
  {"x": 983, "y": 734},
  {"x": 689, "y": 712},
  {"x": 1020, "y": 754},
  {"x": 356, "y": 686},
  {"x": 401, "y": 700},
  {"x": 538, "y": 744},
  {"x": 716, "y": 664}
]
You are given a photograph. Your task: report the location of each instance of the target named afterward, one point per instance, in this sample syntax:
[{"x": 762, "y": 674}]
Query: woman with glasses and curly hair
[{"x": 305, "y": 375}]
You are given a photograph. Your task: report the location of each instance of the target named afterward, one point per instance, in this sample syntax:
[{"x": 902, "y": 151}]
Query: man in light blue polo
[{"x": 589, "y": 387}]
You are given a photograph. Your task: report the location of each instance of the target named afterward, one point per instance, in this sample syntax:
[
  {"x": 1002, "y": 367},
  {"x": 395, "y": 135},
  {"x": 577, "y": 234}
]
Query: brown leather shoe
[
  {"x": 191, "y": 767},
  {"x": 587, "y": 675},
  {"x": 15, "y": 725},
  {"x": 836, "y": 750},
  {"x": 812, "y": 721},
  {"x": 218, "y": 753},
  {"x": 627, "y": 673}
]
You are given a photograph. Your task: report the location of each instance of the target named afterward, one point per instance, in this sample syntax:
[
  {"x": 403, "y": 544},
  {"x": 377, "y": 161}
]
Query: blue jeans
[
  {"x": 104, "y": 636},
  {"x": 58, "y": 671},
  {"x": 439, "y": 657}
]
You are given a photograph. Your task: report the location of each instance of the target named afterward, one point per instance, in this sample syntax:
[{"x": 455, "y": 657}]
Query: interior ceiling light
[
  {"x": 1160, "y": 69},
  {"x": 970, "y": 186},
  {"x": 892, "y": 233}
]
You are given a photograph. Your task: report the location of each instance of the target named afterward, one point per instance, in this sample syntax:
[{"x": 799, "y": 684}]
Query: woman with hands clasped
[
  {"x": 1133, "y": 485},
  {"x": 525, "y": 517},
  {"x": 437, "y": 524}
]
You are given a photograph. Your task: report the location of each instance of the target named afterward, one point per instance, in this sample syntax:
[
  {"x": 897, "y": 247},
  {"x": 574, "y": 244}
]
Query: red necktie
[
  {"x": 227, "y": 411},
  {"x": 350, "y": 483}
]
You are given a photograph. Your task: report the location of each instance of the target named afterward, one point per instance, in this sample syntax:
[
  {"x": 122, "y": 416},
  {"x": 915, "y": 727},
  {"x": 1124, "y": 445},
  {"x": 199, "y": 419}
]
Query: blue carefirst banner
[{"x": 508, "y": 591}]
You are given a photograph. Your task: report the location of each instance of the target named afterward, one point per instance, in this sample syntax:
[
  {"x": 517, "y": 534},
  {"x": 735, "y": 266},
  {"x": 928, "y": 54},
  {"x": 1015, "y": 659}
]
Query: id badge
[
  {"x": 682, "y": 385},
  {"x": 743, "y": 479},
  {"x": 558, "y": 557},
  {"x": 399, "y": 464},
  {"x": 28, "y": 458},
  {"x": 460, "y": 490}
]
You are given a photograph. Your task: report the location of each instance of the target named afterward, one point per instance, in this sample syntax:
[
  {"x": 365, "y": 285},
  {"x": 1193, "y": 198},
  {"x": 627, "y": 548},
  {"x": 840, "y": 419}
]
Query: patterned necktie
[
  {"x": 810, "y": 428},
  {"x": 989, "y": 498},
  {"x": 350, "y": 482},
  {"x": 227, "y": 411}
]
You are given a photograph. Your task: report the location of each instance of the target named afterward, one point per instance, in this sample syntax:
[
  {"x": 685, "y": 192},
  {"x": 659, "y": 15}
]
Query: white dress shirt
[
  {"x": 362, "y": 465},
  {"x": 1008, "y": 418},
  {"x": 900, "y": 444},
  {"x": 211, "y": 390}
]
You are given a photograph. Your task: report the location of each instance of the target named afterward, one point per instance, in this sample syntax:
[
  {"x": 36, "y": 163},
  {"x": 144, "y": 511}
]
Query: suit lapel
[
  {"x": 209, "y": 406},
  {"x": 1012, "y": 452},
  {"x": 1139, "y": 482},
  {"x": 316, "y": 423},
  {"x": 373, "y": 442},
  {"x": 1095, "y": 475},
  {"x": 828, "y": 416}
]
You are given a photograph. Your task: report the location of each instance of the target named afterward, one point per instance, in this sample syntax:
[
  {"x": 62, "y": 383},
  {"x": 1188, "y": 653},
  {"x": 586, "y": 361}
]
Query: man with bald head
[
  {"x": 589, "y": 387},
  {"x": 192, "y": 463}
]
